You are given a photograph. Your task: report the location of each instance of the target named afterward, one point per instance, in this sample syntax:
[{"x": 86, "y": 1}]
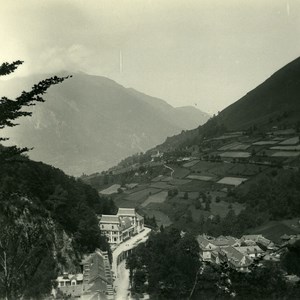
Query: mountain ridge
[{"x": 91, "y": 122}]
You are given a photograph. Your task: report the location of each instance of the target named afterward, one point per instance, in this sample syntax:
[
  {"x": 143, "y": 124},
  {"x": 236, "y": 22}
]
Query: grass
[
  {"x": 161, "y": 185},
  {"x": 180, "y": 172},
  {"x": 286, "y": 154},
  {"x": 212, "y": 169},
  {"x": 156, "y": 198},
  {"x": 190, "y": 163},
  {"x": 291, "y": 141},
  {"x": 160, "y": 216},
  {"x": 197, "y": 214},
  {"x": 196, "y": 186},
  {"x": 235, "y": 154},
  {"x": 287, "y": 148},
  {"x": 113, "y": 189},
  {"x": 232, "y": 180},
  {"x": 273, "y": 230},
  {"x": 222, "y": 208},
  {"x": 200, "y": 177},
  {"x": 142, "y": 195},
  {"x": 179, "y": 181}
]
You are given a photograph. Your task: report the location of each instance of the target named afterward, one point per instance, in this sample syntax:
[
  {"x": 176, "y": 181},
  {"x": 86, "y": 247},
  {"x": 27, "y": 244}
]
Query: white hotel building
[{"x": 120, "y": 227}]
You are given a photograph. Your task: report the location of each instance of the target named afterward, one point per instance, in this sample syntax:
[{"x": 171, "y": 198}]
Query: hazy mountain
[
  {"x": 89, "y": 123},
  {"x": 275, "y": 102}
]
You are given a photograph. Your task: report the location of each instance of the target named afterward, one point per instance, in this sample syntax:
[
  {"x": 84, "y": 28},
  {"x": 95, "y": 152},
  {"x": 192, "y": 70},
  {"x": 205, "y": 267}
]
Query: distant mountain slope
[
  {"x": 278, "y": 94},
  {"x": 275, "y": 102},
  {"x": 187, "y": 117},
  {"x": 89, "y": 123}
]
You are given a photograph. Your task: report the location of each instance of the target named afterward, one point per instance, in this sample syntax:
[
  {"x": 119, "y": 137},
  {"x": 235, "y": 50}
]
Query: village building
[
  {"x": 209, "y": 246},
  {"x": 235, "y": 258},
  {"x": 259, "y": 240},
  {"x": 238, "y": 253},
  {"x": 122, "y": 226},
  {"x": 94, "y": 282},
  {"x": 69, "y": 279},
  {"x": 251, "y": 251}
]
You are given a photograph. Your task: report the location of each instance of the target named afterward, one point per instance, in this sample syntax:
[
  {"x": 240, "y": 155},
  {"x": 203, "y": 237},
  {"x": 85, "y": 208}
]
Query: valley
[{"x": 202, "y": 181}]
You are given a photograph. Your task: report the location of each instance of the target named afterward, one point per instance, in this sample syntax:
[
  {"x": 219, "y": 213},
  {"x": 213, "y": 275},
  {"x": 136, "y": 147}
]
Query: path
[{"x": 172, "y": 170}]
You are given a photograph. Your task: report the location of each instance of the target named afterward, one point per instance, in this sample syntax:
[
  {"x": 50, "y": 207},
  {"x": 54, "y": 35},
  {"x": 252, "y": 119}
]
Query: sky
[{"x": 188, "y": 52}]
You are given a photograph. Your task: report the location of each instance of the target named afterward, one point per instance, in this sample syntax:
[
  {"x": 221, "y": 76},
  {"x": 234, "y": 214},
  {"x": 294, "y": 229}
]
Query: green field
[
  {"x": 142, "y": 195},
  {"x": 160, "y": 216},
  {"x": 180, "y": 172},
  {"x": 156, "y": 198},
  {"x": 196, "y": 186}
]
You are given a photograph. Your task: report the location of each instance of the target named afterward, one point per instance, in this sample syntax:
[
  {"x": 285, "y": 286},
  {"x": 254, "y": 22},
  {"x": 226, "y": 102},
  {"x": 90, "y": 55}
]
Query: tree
[
  {"x": 10, "y": 110},
  {"x": 27, "y": 265},
  {"x": 291, "y": 259}
]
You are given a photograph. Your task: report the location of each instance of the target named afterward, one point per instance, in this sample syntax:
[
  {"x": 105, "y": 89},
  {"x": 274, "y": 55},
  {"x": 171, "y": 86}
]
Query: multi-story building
[
  {"x": 97, "y": 277},
  {"x": 120, "y": 227}
]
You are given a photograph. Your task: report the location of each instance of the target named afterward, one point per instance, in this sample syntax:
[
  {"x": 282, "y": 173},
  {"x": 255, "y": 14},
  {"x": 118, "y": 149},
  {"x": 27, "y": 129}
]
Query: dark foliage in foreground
[{"x": 166, "y": 266}]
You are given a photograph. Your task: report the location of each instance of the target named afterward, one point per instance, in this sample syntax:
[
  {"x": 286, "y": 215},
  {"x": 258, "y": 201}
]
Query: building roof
[
  {"x": 224, "y": 241},
  {"x": 204, "y": 243},
  {"x": 249, "y": 249},
  {"x": 235, "y": 257},
  {"x": 285, "y": 237},
  {"x": 252, "y": 237},
  {"x": 139, "y": 217},
  {"x": 109, "y": 219},
  {"x": 126, "y": 212},
  {"x": 125, "y": 223},
  {"x": 70, "y": 277}
]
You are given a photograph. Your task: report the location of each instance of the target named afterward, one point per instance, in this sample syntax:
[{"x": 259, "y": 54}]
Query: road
[
  {"x": 129, "y": 244},
  {"x": 122, "y": 282}
]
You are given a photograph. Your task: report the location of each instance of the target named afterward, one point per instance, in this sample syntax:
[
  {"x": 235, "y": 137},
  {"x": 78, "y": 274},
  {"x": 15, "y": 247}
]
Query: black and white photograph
[{"x": 150, "y": 149}]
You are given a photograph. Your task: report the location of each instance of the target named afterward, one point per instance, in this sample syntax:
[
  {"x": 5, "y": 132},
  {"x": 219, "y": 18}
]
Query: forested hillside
[{"x": 51, "y": 218}]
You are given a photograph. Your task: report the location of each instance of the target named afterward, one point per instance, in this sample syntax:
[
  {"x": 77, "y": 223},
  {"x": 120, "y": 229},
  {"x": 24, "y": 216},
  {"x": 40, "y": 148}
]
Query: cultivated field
[
  {"x": 286, "y": 148},
  {"x": 180, "y": 172},
  {"x": 235, "y": 154},
  {"x": 291, "y": 141},
  {"x": 111, "y": 190},
  {"x": 161, "y": 218},
  {"x": 190, "y": 163},
  {"x": 232, "y": 180},
  {"x": 265, "y": 143},
  {"x": 234, "y": 146},
  {"x": 156, "y": 198},
  {"x": 286, "y": 154},
  {"x": 140, "y": 196},
  {"x": 199, "y": 177}
]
